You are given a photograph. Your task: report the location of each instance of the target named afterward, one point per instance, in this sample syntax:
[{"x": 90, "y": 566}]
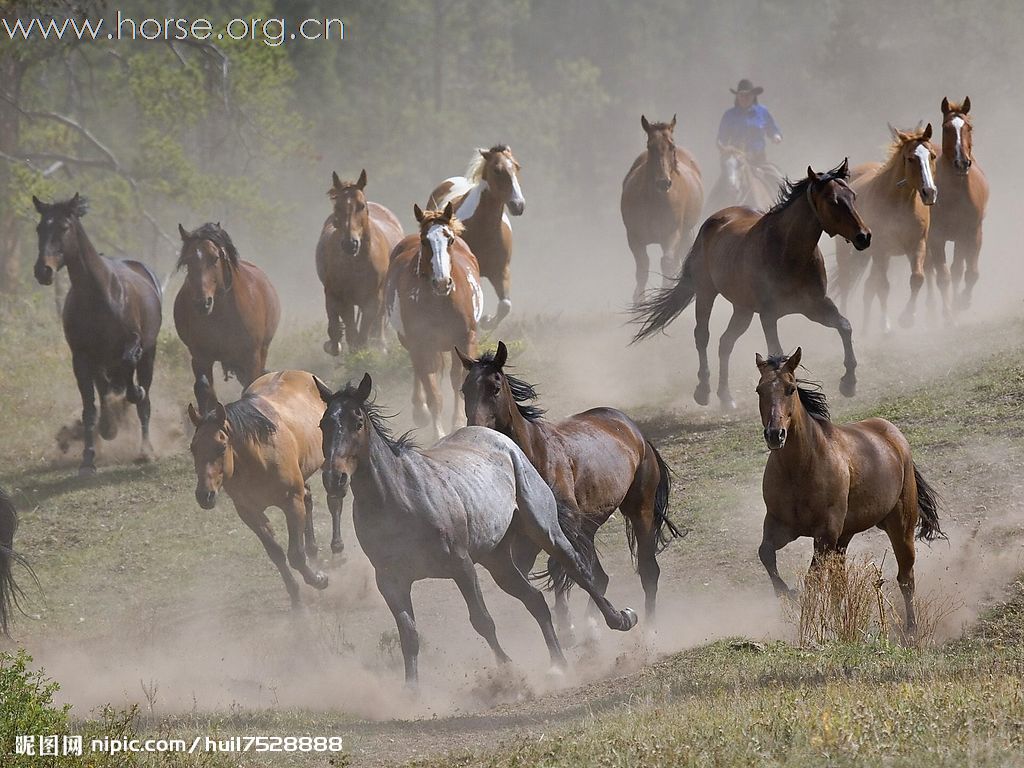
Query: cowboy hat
[{"x": 745, "y": 86}]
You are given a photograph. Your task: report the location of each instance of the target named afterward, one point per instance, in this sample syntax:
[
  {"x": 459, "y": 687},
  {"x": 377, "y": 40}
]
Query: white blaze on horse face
[
  {"x": 440, "y": 259},
  {"x": 927, "y": 182},
  {"x": 958, "y": 125},
  {"x": 517, "y": 191}
]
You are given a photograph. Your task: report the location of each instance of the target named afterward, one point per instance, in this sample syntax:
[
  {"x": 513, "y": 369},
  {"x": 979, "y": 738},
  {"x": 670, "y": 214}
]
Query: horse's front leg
[
  {"x": 458, "y": 375},
  {"x": 916, "y": 255},
  {"x": 371, "y": 329},
  {"x": 968, "y": 251},
  {"x": 294, "y": 509},
  {"x": 770, "y": 325},
  {"x": 824, "y": 311},
  {"x": 396, "y": 589},
  {"x": 334, "y": 328},
  {"x": 502, "y": 287},
  {"x": 131, "y": 358},
  {"x": 84, "y": 376},
  {"x": 312, "y": 551},
  {"x": 643, "y": 266},
  {"x": 774, "y": 537},
  {"x": 938, "y": 264},
  {"x": 144, "y": 407},
  {"x": 202, "y": 375},
  {"x": 335, "y": 504},
  {"x": 256, "y": 519}
]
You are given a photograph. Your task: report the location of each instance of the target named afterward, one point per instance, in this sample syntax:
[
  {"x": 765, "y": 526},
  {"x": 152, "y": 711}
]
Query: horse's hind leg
[
  {"x": 824, "y": 311},
  {"x": 643, "y": 267},
  {"x": 738, "y": 324},
  {"x": 257, "y": 521},
  {"x": 84, "y": 378},
  {"x": 878, "y": 285},
  {"x": 770, "y": 324},
  {"x": 899, "y": 526},
  {"x": 469, "y": 585},
  {"x": 145, "y": 407},
  {"x": 701, "y": 337}
]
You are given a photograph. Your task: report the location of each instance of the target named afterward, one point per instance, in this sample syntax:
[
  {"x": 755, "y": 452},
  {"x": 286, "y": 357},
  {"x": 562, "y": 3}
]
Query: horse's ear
[
  {"x": 966, "y": 105},
  {"x": 760, "y": 361},
  {"x": 75, "y": 204},
  {"x": 945, "y": 105},
  {"x": 220, "y": 414},
  {"x": 449, "y": 211},
  {"x": 362, "y": 180},
  {"x": 501, "y": 355},
  {"x": 893, "y": 132},
  {"x": 467, "y": 362},
  {"x": 644, "y": 124},
  {"x": 418, "y": 213},
  {"x": 844, "y": 169},
  {"x": 335, "y": 181},
  {"x": 365, "y": 388},
  {"x": 811, "y": 174},
  {"x": 193, "y": 415},
  {"x": 927, "y": 135},
  {"x": 39, "y": 204},
  {"x": 182, "y": 232},
  {"x": 793, "y": 362},
  {"x": 672, "y": 125},
  {"x": 323, "y": 389},
  {"x": 484, "y": 152}
]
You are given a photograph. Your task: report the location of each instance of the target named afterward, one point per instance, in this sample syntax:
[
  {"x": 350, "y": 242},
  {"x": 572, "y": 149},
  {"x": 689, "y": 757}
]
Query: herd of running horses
[{"x": 513, "y": 484}]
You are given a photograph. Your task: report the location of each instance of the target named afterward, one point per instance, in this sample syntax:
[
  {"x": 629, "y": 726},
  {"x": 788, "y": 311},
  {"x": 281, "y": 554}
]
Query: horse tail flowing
[
  {"x": 664, "y": 306},
  {"x": 10, "y": 592},
  {"x": 556, "y": 577},
  {"x": 664, "y": 528},
  {"x": 928, "y": 510}
]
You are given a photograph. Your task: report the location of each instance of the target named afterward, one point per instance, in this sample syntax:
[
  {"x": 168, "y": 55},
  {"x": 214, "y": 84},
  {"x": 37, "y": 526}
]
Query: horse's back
[
  {"x": 387, "y": 223},
  {"x": 267, "y": 304},
  {"x": 452, "y": 190},
  {"x": 295, "y": 406}
]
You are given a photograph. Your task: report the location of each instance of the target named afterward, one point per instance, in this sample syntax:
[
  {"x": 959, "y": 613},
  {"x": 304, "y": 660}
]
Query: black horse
[{"x": 10, "y": 592}]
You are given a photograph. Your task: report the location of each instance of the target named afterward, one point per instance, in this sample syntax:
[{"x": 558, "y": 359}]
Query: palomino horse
[
  {"x": 894, "y": 198},
  {"x": 958, "y": 215},
  {"x": 662, "y": 196},
  {"x": 831, "y": 481},
  {"x": 769, "y": 264},
  {"x": 594, "y": 462},
  {"x": 491, "y": 185},
  {"x": 740, "y": 182},
  {"x": 111, "y": 316},
  {"x": 10, "y": 592},
  {"x": 226, "y": 311},
  {"x": 262, "y": 449},
  {"x": 436, "y": 513},
  {"x": 352, "y": 261},
  {"x": 434, "y": 301}
]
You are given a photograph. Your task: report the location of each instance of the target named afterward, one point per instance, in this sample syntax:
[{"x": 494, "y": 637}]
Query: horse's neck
[
  {"x": 530, "y": 436},
  {"x": 87, "y": 269},
  {"x": 800, "y": 226},
  {"x": 891, "y": 181},
  {"x": 375, "y": 478},
  {"x": 803, "y": 443},
  {"x": 488, "y": 208}
]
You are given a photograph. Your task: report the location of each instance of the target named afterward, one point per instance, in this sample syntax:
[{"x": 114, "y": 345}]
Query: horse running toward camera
[
  {"x": 769, "y": 264},
  {"x": 662, "y": 196},
  {"x": 594, "y": 462},
  {"x": 741, "y": 182},
  {"x": 111, "y": 317},
  {"x": 261, "y": 450},
  {"x": 10, "y": 593},
  {"x": 832, "y": 481},
  {"x": 437, "y": 513},
  {"x": 480, "y": 199},
  {"x": 352, "y": 262},
  {"x": 226, "y": 311}
]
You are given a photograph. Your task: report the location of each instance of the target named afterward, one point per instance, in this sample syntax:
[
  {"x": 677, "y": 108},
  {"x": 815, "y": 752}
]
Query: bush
[{"x": 27, "y": 708}]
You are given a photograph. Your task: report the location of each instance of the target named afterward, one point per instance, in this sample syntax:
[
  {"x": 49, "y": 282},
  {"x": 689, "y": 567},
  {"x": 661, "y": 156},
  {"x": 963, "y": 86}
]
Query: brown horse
[
  {"x": 434, "y": 301},
  {"x": 957, "y": 217},
  {"x": 10, "y": 593},
  {"x": 894, "y": 199},
  {"x": 740, "y": 182},
  {"x": 111, "y": 316},
  {"x": 662, "y": 196},
  {"x": 594, "y": 462},
  {"x": 352, "y": 261},
  {"x": 491, "y": 185},
  {"x": 226, "y": 311},
  {"x": 831, "y": 481},
  {"x": 769, "y": 264},
  {"x": 262, "y": 449}
]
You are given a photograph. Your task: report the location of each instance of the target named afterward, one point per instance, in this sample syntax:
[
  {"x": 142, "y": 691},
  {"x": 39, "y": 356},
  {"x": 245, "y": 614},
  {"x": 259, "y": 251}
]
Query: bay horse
[
  {"x": 261, "y": 450},
  {"x": 434, "y": 301},
  {"x": 10, "y": 592},
  {"x": 662, "y": 196},
  {"x": 958, "y": 216},
  {"x": 226, "y": 311},
  {"x": 481, "y": 198},
  {"x": 352, "y": 261},
  {"x": 832, "y": 481},
  {"x": 111, "y": 318},
  {"x": 594, "y": 462},
  {"x": 895, "y": 199},
  {"x": 740, "y": 182},
  {"x": 436, "y": 513},
  {"x": 765, "y": 263}
]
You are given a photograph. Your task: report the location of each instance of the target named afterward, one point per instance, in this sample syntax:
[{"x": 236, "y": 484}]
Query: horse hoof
[
  {"x": 319, "y": 581},
  {"x": 702, "y": 394},
  {"x": 332, "y": 348},
  {"x": 727, "y": 403},
  {"x": 629, "y": 619},
  {"x": 848, "y": 386},
  {"x": 87, "y": 470},
  {"x": 337, "y": 547},
  {"x": 144, "y": 458}
]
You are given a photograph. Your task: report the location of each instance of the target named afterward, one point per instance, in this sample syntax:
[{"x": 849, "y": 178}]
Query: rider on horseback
[{"x": 747, "y": 126}]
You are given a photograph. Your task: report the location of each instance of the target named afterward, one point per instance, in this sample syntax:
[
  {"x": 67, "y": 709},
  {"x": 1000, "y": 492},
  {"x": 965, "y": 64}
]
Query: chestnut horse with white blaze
[
  {"x": 481, "y": 197},
  {"x": 662, "y": 197},
  {"x": 227, "y": 310},
  {"x": 832, "y": 481},
  {"x": 434, "y": 301},
  {"x": 352, "y": 261}
]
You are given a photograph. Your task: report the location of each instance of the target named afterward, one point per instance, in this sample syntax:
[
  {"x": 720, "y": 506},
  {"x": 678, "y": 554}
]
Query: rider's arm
[{"x": 771, "y": 128}]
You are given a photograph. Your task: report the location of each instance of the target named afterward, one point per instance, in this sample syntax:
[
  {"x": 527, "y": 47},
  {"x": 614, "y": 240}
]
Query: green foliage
[{"x": 26, "y": 702}]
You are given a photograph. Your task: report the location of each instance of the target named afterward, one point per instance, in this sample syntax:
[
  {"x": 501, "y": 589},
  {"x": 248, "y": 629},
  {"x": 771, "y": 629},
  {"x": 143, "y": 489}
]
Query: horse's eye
[{"x": 790, "y": 390}]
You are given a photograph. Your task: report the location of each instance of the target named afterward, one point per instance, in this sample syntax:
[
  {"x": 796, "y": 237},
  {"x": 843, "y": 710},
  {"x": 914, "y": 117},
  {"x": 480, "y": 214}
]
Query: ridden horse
[
  {"x": 436, "y": 513},
  {"x": 434, "y": 301},
  {"x": 662, "y": 196},
  {"x": 594, "y": 462},
  {"x": 10, "y": 592},
  {"x": 352, "y": 261},
  {"x": 491, "y": 185},
  {"x": 894, "y": 198},
  {"x": 959, "y": 214},
  {"x": 769, "y": 264},
  {"x": 740, "y": 182},
  {"x": 262, "y": 449},
  {"x": 831, "y": 481},
  {"x": 111, "y": 318},
  {"x": 226, "y": 311}
]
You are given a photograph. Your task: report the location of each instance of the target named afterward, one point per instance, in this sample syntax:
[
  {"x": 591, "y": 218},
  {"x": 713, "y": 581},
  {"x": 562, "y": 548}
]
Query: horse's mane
[
  {"x": 430, "y": 217},
  {"x": 475, "y": 169},
  {"x": 247, "y": 422},
  {"x": 896, "y": 144},
  {"x": 379, "y": 421},
  {"x": 522, "y": 392},
  {"x": 792, "y": 190},
  {"x": 957, "y": 110},
  {"x": 216, "y": 235},
  {"x": 811, "y": 395},
  {"x": 73, "y": 206},
  {"x": 661, "y": 127}
]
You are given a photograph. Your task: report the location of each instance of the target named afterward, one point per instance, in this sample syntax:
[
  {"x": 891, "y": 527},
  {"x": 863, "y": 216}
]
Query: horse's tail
[
  {"x": 555, "y": 576},
  {"x": 10, "y": 593},
  {"x": 928, "y": 510},
  {"x": 664, "y": 528},
  {"x": 662, "y": 307}
]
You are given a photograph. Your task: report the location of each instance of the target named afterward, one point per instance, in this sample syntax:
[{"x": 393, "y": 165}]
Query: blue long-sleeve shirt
[{"x": 748, "y": 128}]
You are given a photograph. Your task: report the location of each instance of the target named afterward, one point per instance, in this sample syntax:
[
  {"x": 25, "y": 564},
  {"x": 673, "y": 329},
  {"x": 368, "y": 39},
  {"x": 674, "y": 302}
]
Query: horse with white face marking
[
  {"x": 434, "y": 301},
  {"x": 895, "y": 200},
  {"x": 480, "y": 199}
]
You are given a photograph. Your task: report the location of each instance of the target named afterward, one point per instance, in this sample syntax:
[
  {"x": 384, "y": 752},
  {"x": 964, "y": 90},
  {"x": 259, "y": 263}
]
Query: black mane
[
  {"x": 500, "y": 148},
  {"x": 792, "y": 190},
  {"x": 522, "y": 392},
  {"x": 247, "y": 422},
  {"x": 216, "y": 235},
  {"x": 812, "y": 397},
  {"x": 379, "y": 421}
]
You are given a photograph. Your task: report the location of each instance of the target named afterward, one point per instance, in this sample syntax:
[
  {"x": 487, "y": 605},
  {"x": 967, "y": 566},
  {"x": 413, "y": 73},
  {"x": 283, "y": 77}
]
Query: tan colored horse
[
  {"x": 352, "y": 261},
  {"x": 895, "y": 199},
  {"x": 830, "y": 481},
  {"x": 434, "y": 301},
  {"x": 958, "y": 215},
  {"x": 491, "y": 185}
]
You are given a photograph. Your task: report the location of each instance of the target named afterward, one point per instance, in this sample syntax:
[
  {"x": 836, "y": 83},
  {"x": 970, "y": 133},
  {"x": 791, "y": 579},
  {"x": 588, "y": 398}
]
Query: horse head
[
  {"x": 917, "y": 154},
  {"x": 957, "y": 139},
  {"x": 661, "y": 151},
  {"x": 832, "y": 199},
  {"x": 777, "y": 396},
  {"x": 57, "y": 231},
  {"x": 211, "y": 259},
  {"x": 211, "y": 452},
  {"x": 351, "y": 216},
  {"x": 345, "y": 429},
  {"x": 500, "y": 170},
  {"x": 438, "y": 230}
]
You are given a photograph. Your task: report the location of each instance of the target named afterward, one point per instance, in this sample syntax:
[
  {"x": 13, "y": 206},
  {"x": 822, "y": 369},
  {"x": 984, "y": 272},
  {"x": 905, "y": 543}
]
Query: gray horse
[{"x": 435, "y": 513}]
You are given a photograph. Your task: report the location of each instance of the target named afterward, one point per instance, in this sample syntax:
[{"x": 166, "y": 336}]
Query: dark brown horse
[
  {"x": 831, "y": 481},
  {"x": 226, "y": 311},
  {"x": 10, "y": 593},
  {"x": 958, "y": 214},
  {"x": 594, "y": 462},
  {"x": 491, "y": 185},
  {"x": 111, "y": 319},
  {"x": 769, "y": 264},
  {"x": 662, "y": 196},
  {"x": 352, "y": 262},
  {"x": 434, "y": 301}
]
